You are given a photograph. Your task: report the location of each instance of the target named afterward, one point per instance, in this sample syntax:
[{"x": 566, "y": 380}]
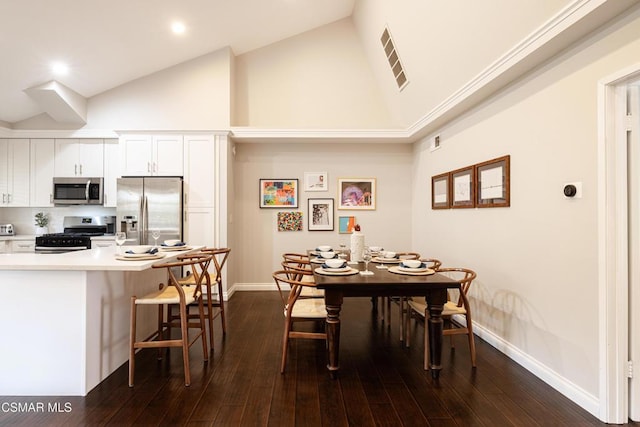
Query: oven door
[
  {"x": 78, "y": 191},
  {"x": 58, "y": 250}
]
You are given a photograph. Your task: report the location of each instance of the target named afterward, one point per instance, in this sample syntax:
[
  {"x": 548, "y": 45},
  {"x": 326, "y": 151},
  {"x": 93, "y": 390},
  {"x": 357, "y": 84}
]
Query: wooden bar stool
[
  {"x": 219, "y": 257},
  {"x": 176, "y": 294}
]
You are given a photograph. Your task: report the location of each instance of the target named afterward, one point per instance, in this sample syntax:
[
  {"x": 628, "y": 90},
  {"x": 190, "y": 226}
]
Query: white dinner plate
[
  {"x": 411, "y": 271},
  {"x": 317, "y": 260},
  {"x": 387, "y": 260},
  {"x": 139, "y": 257},
  {"x": 143, "y": 255},
  {"x": 174, "y": 248},
  {"x": 345, "y": 268},
  {"x": 331, "y": 272}
]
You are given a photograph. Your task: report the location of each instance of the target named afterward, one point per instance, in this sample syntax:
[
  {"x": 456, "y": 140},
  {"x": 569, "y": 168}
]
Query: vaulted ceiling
[{"x": 108, "y": 43}]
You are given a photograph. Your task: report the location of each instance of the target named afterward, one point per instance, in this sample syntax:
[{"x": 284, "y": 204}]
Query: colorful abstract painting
[
  {"x": 289, "y": 221},
  {"x": 278, "y": 193}
]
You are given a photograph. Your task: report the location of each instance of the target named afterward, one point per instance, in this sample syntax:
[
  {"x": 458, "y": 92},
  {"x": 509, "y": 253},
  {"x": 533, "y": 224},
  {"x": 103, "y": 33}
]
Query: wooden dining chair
[
  {"x": 386, "y": 301},
  {"x": 296, "y": 309},
  {"x": 214, "y": 306},
  {"x": 301, "y": 263},
  {"x": 172, "y": 293},
  {"x": 452, "y": 309}
]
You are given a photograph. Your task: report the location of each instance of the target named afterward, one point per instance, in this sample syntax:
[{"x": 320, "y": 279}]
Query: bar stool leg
[{"x": 132, "y": 339}]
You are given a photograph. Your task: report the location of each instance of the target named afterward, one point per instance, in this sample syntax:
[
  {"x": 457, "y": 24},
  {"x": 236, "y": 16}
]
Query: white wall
[
  {"x": 194, "y": 95},
  {"x": 536, "y": 261},
  {"x": 255, "y": 229},
  {"x": 442, "y": 44},
  {"x": 319, "y": 79}
]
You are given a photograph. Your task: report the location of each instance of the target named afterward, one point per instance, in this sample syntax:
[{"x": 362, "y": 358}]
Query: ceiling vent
[{"x": 394, "y": 59}]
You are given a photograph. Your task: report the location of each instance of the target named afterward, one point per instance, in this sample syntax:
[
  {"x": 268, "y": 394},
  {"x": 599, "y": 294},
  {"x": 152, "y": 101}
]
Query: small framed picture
[
  {"x": 290, "y": 221},
  {"x": 320, "y": 214},
  {"x": 278, "y": 193},
  {"x": 357, "y": 193},
  {"x": 346, "y": 224},
  {"x": 493, "y": 181},
  {"x": 316, "y": 181},
  {"x": 463, "y": 188},
  {"x": 440, "y": 198}
]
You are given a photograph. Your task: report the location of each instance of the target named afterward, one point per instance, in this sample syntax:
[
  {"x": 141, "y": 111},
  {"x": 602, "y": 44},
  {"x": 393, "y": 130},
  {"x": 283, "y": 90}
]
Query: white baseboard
[{"x": 579, "y": 396}]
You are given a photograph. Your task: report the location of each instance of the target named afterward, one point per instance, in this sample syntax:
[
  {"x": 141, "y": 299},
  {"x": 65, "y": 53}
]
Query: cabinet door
[
  {"x": 111, "y": 168},
  {"x": 136, "y": 152},
  {"x": 168, "y": 152},
  {"x": 199, "y": 171},
  {"x": 4, "y": 171},
  {"x": 199, "y": 227},
  {"x": 19, "y": 172},
  {"x": 66, "y": 158},
  {"x": 91, "y": 158},
  {"x": 41, "y": 177},
  {"x": 23, "y": 245},
  {"x": 5, "y": 246}
]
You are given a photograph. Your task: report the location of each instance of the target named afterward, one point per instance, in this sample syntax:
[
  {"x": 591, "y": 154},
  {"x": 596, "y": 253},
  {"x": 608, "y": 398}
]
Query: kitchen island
[{"x": 65, "y": 318}]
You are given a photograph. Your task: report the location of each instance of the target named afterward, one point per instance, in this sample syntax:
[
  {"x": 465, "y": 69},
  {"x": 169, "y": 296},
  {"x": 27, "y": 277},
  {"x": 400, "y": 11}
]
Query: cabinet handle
[
  {"x": 3, "y": 198},
  {"x": 50, "y": 198},
  {"x": 80, "y": 169},
  {"x": 9, "y": 198},
  {"x": 155, "y": 166},
  {"x": 75, "y": 169},
  {"x": 149, "y": 167}
]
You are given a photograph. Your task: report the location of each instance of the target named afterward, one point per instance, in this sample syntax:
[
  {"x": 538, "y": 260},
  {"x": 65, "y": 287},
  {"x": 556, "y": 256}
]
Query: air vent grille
[{"x": 394, "y": 60}]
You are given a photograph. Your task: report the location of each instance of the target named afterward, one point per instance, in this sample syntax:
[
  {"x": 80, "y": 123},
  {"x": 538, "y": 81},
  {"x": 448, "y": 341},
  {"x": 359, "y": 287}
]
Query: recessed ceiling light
[
  {"x": 178, "y": 27},
  {"x": 60, "y": 68}
]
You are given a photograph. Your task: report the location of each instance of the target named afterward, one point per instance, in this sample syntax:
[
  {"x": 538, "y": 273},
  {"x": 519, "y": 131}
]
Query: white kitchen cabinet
[
  {"x": 42, "y": 170},
  {"x": 199, "y": 226},
  {"x": 79, "y": 157},
  {"x": 14, "y": 172},
  {"x": 151, "y": 155},
  {"x": 199, "y": 171},
  {"x": 23, "y": 245},
  {"x": 5, "y": 246},
  {"x": 102, "y": 243},
  {"x": 111, "y": 172}
]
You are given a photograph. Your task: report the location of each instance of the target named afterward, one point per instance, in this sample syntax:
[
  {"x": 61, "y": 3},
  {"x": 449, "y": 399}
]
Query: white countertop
[
  {"x": 89, "y": 260},
  {"x": 33, "y": 236}
]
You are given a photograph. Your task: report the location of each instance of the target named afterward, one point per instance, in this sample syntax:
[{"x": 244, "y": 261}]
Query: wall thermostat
[{"x": 572, "y": 190}]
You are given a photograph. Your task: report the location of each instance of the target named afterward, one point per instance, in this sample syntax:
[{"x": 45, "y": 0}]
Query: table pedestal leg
[
  {"x": 333, "y": 338},
  {"x": 435, "y": 339}
]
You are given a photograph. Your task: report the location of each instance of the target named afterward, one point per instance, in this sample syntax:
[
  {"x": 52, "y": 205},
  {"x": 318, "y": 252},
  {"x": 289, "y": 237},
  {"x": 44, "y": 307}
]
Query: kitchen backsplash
[{"x": 24, "y": 223}]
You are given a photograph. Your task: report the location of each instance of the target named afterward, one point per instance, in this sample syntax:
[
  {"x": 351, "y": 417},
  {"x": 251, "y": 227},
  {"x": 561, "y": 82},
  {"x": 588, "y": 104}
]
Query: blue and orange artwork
[{"x": 279, "y": 193}]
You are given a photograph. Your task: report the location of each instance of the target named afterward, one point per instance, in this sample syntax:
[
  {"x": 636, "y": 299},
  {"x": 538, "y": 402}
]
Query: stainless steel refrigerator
[{"x": 150, "y": 203}]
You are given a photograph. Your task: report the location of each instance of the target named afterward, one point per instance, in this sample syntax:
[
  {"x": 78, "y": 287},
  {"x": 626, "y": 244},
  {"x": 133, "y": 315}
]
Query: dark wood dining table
[{"x": 384, "y": 283}]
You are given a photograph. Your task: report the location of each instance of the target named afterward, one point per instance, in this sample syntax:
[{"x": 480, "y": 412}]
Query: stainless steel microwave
[{"x": 78, "y": 191}]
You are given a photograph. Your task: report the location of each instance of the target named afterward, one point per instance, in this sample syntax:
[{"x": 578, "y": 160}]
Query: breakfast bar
[{"x": 65, "y": 318}]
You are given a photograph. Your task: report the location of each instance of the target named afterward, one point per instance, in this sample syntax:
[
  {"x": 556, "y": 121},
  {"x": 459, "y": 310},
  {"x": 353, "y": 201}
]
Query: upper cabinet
[
  {"x": 79, "y": 157},
  {"x": 14, "y": 172},
  {"x": 42, "y": 154},
  {"x": 111, "y": 171},
  {"x": 151, "y": 155},
  {"x": 199, "y": 171}
]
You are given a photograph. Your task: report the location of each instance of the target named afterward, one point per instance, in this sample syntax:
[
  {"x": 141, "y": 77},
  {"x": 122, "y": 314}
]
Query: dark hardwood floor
[{"x": 380, "y": 382}]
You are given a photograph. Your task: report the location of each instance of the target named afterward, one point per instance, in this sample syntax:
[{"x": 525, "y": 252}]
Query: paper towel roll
[{"x": 357, "y": 246}]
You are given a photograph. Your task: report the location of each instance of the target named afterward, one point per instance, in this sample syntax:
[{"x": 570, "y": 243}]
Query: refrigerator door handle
[{"x": 146, "y": 219}]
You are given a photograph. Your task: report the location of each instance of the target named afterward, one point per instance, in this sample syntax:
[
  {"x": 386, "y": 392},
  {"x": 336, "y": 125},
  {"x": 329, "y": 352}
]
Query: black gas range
[{"x": 77, "y": 234}]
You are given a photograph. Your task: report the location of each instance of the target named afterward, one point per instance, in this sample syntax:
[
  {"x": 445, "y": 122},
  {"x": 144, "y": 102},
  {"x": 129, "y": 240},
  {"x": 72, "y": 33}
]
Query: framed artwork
[
  {"x": 346, "y": 224},
  {"x": 278, "y": 193},
  {"x": 463, "y": 188},
  {"x": 289, "y": 221},
  {"x": 357, "y": 193},
  {"x": 493, "y": 183},
  {"x": 320, "y": 214},
  {"x": 440, "y": 192},
  {"x": 316, "y": 181}
]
